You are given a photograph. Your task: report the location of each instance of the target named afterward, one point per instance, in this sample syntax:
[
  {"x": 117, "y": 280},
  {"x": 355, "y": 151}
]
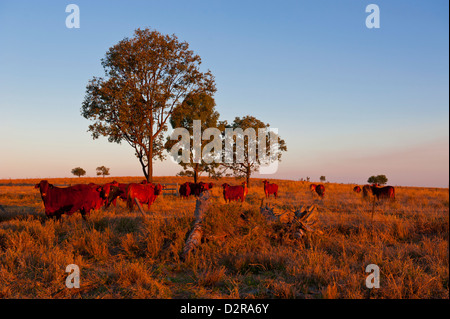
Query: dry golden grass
[{"x": 122, "y": 255}]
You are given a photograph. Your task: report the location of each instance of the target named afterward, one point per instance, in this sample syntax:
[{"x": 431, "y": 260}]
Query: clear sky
[{"x": 349, "y": 101}]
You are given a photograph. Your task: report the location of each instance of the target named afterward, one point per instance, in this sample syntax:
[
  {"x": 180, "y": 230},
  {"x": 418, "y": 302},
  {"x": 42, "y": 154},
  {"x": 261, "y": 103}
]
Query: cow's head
[
  {"x": 265, "y": 182},
  {"x": 158, "y": 189},
  {"x": 225, "y": 185},
  {"x": 114, "y": 192},
  {"x": 43, "y": 187}
]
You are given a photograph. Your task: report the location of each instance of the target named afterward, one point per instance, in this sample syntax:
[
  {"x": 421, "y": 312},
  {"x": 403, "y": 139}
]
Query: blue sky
[{"x": 349, "y": 101}]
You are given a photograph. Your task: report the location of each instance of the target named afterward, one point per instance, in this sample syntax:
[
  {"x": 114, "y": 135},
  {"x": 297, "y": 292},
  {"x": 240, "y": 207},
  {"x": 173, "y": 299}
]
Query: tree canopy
[
  {"x": 378, "y": 179},
  {"x": 196, "y": 107},
  {"x": 146, "y": 78},
  {"x": 78, "y": 171}
]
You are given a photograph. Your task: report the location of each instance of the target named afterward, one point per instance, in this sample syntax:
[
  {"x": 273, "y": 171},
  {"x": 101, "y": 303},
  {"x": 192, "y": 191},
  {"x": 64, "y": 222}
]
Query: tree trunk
[
  {"x": 196, "y": 173},
  {"x": 150, "y": 171},
  {"x": 248, "y": 176}
]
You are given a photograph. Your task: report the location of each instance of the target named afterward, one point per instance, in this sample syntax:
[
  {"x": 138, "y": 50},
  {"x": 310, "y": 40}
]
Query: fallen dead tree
[
  {"x": 195, "y": 236},
  {"x": 299, "y": 221},
  {"x": 296, "y": 222}
]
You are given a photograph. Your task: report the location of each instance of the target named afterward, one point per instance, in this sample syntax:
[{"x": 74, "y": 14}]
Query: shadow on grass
[{"x": 8, "y": 212}]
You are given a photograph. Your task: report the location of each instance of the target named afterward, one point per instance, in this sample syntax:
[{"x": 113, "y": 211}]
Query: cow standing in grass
[
  {"x": 236, "y": 193},
  {"x": 68, "y": 200},
  {"x": 185, "y": 190},
  {"x": 387, "y": 192},
  {"x": 320, "y": 190},
  {"x": 144, "y": 193},
  {"x": 270, "y": 188}
]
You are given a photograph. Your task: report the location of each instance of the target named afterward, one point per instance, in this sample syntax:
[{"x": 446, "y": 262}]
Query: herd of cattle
[{"x": 87, "y": 197}]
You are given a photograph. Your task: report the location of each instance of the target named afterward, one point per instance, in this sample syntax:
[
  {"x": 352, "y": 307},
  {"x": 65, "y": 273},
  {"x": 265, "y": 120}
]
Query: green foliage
[
  {"x": 201, "y": 107},
  {"x": 323, "y": 178},
  {"x": 102, "y": 170},
  {"x": 246, "y": 168},
  {"x": 78, "y": 171},
  {"x": 147, "y": 77},
  {"x": 379, "y": 179}
]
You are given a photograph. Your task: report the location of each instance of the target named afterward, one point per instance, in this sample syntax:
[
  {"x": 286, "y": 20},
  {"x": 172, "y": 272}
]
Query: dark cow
[
  {"x": 144, "y": 193},
  {"x": 320, "y": 190},
  {"x": 68, "y": 200},
  {"x": 270, "y": 188},
  {"x": 357, "y": 189},
  {"x": 185, "y": 190},
  {"x": 387, "y": 192},
  {"x": 197, "y": 188},
  {"x": 234, "y": 192},
  {"x": 110, "y": 192}
]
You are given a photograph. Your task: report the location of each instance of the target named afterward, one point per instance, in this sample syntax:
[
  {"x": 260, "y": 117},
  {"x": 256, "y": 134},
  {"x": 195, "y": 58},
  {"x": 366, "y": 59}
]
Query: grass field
[{"x": 122, "y": 255}]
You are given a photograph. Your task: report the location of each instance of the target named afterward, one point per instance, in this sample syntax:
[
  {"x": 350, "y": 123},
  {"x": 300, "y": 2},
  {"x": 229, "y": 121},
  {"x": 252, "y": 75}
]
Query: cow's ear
[
  {"x": 50, "y": 185},
  {"x": 36, "y": 186}
]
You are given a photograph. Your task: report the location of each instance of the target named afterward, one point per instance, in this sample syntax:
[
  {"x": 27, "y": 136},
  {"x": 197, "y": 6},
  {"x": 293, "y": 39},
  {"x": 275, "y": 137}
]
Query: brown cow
[
  {"x": 312, "y": 187},
  {"x": 387, "y": 192}
]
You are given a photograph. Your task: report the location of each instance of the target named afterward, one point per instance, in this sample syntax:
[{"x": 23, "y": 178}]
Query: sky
[{"x": 350, "y": 101}]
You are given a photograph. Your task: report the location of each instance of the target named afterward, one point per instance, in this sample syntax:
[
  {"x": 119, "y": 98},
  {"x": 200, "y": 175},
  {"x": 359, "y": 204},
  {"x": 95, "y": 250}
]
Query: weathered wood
[
  {"x": 195, "y": 236},
  {"x": 140, "y": 207},
  {"x": 302, "y": 218}
]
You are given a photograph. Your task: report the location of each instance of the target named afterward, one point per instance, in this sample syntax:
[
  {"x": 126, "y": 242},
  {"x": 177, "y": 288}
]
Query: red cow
[
  {"x": 312, "y": 187},
  {"x": 234, "y": 192},
  {"x": 185, "y": 190},
  {"x": 109, "y": 193},
  {"x": 270, "y": 189},
  {"x": 206, "y": 186},
  {"x": 144, "y": 193},
  {"x": 320, "y": 190},
  {"x": 68, "y": 200},
  {"x": 122, "y": 192},
  {"x": 357, "y": 189},
  {"x": 383, "y": 192}
]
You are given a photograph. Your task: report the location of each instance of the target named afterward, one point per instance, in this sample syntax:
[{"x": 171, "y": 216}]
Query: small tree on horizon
[
  {"x": 323, "y": 178},
  {"x": 378, "y": 179},
  {"x": 102, "y": 170},
  {"x": 78, "y": 171}
]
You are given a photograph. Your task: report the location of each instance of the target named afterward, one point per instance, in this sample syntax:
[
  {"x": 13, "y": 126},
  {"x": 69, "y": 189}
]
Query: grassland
[{"x": 122, "y": 255}]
